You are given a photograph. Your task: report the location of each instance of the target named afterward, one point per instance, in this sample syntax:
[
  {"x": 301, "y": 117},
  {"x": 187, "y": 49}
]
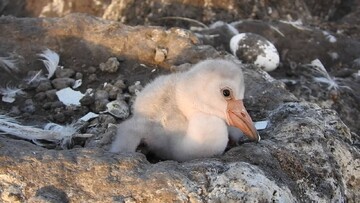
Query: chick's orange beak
[{"x": 237, "y": 116}]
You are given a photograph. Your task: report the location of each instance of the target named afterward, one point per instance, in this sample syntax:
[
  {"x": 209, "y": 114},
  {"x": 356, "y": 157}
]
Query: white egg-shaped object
[{"x": 255, "y": 49}]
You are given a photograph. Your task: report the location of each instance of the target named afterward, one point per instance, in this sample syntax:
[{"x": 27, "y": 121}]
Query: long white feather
[
  {"x": 332, "y": 82},
  {"x": 11, "y": 126},
  {"x": 35, "y": 77},
  {"x": 51, "y": 61},
  {"x": 52, "y": 132}
]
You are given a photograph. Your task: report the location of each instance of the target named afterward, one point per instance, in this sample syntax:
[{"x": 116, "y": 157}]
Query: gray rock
[
  {"x": 91, "y": 69},
  {"x": 113, "y": 93},
  {"x": 64, "y": 73},
  {"x": 118, "y": 108},
  {"x": 46, "y": 105},
  {"x": 51, "y": 95},
  {"x": 41, "y": 96},
  {"x": 56, "y": 104},
  {"x": 61, "y": 83},
  {"x": 28, "y": 106},
  {"x": 44, "y": 86},
  {"x": 120, "y": 84},
  {"x": 112, "y": 90},
  {"x": 101, "y": 95},
  {"x": 92, "y": 78},
  {"x": 14, "y": 111},
  {"x": 87, "y": 100},
  {"x": 78, "y": 76},
  {"x": 110, "y": 66},
  {"x": 106, "y": 119},
  {"x": 59, "y": 117},
  {"x": 99, "y": 105},
  {"x": 135, "y": 88}
]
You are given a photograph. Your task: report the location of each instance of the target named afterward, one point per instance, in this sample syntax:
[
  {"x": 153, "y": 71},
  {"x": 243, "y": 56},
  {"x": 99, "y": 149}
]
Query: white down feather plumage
[{"x": 183, "y": 116}]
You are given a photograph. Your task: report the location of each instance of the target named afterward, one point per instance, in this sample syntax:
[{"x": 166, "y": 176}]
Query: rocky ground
[{"x": 309, "y": 152}]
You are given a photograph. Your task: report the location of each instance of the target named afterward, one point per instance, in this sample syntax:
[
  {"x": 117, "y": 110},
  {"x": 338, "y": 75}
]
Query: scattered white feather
[
  {"x": 232, "y": 29},
  {"x": 332, "y": 84},
  {"x": 51, "y": 61},
  {"x": 89, "y": 116},
  {"x": 35, "y": 78},
  {"x": 237, "y": 23},
  {"x": 77, "y": 83},
  {"x": 217, "y": 24},
  {"x": 331, "y": 38},
  {"x": 296, "y": 24},
  {"x": 326, "y": 79},
  {"x": 11, "y": 126},
  {"x": 89, "y": 91},
  {"x": 8, "y": 64},
  {"x": 277, "y": 30},
  {"x": 320, "y": 68},
  {"x": 208, "y": 37},
  {"x": 334, "y": 55},
  {"x": 52, "y": 132},
  {"x": 356, "y": 63},
  {"x": 66, "y": 132},
  {"x": 9, "y": 93}
]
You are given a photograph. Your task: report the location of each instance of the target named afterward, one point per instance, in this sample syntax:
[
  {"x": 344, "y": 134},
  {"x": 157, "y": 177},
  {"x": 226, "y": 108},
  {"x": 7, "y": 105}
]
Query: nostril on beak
[{"x": 243, "y": 114}]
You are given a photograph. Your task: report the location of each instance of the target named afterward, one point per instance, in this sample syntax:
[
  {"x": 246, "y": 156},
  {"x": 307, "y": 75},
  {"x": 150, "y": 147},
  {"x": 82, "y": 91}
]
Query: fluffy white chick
[{"x": 183, "y": 116}]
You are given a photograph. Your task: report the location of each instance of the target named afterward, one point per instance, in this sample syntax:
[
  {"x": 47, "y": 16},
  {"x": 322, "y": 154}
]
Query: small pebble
[
  {"x": 29, "y": 106},
  {"x": 91, "y": 69},
  {"x": 14, "y": 111},
  {"x": 119, "y": 109},
  {"x": 57, "y": 104},
  {"x": 64, "y": 73},
  {"x": 106, "y": 119},
  {"x": 92, "y": 78},
  {"x": 41, "y": 96},
  {"x": 137, "y": 87},
  {"x": 110, "y": 66},
  {"x": 47, "y": 105},
  {"x": 87, "y": 100},
  {"x": 51, "y": 95},
  {"x": 108, "y": 87},
  {"x": 125, "y": 97},
  {"x": 114, "y": 93},
  {"x": 44, "y": 86},
  {"x": 120, "y": 84},
  {"x": 59, "y": 117},
  {"x": 61, "y": 83},
  {"x": 99, "y": 106},
  {"x": 78, "y": 76},
  {"x": 101, "y": 95}
]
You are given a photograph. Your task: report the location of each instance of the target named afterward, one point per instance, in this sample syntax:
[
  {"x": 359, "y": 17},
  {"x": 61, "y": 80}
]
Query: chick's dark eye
[{"x": 226, "y": 93}]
